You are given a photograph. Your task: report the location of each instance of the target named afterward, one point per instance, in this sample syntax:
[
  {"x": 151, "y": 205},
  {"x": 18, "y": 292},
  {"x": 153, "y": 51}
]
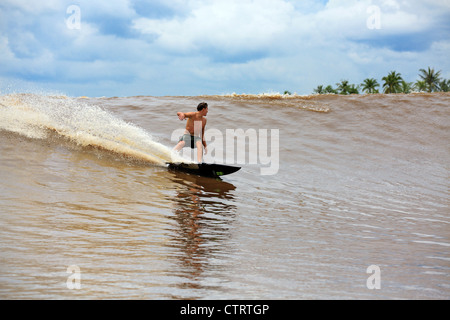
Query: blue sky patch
[{"x": 140, "y": 47}]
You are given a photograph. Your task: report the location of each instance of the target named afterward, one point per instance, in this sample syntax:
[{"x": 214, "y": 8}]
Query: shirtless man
[{"x": 194, "y": 135}]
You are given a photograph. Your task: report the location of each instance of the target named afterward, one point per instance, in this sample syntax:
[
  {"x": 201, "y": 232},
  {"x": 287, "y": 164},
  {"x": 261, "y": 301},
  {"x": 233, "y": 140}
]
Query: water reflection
[{"x": 204, "y": 211}]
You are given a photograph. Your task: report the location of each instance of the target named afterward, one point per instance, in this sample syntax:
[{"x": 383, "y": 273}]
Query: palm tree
[
  {"x": 343, "y": 87},
  {"x": 370, "y": 85},
  {"x": 420, "y": 86},
  {"x": 319, "y": 90},
  {"x": 431, "y": 78},
  {"x": 445, "y": 85},
  {"x": 353, "y": 89},
  {"x": 407, "y": 86},
  {"x": 392, "y": 82},
  {"x": 329, "y": 89}
]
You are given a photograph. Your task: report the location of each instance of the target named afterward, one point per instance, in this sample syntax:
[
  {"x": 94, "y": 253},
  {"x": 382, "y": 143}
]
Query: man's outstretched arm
[{"x": 183, "y": 116}]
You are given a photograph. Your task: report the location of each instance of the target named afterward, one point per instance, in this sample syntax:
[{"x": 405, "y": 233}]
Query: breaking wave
[{"x": 39, "y": 117}]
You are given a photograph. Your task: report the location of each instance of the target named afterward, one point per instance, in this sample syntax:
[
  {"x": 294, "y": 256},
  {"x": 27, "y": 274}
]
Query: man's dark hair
[{"x": 202, "y": 106}]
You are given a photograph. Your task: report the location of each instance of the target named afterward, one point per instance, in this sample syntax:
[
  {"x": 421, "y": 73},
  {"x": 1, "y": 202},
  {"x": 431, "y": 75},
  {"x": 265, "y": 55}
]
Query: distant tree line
[{"x": 430, "y": 81}]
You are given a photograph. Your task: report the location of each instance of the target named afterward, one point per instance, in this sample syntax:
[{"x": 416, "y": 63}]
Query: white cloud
[
  {"x": 35, "y": 7},
  {"x": 115, "y": 8},
  {"x": 232, "y": 26},
  {"x": 228, "y": 25},
  {"x": 220, "y": 46}
]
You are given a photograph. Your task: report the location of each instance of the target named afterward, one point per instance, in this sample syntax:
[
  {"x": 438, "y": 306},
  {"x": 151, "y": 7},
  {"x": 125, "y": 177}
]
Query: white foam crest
[{"x": 86, "y": 125}]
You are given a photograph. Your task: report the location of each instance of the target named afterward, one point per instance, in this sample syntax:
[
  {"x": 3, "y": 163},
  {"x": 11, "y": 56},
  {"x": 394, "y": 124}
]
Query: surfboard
[{"x": 204, "y": 169}]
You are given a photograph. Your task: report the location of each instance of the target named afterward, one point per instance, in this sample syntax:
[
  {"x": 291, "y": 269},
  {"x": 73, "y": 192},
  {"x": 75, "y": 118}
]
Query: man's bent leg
[
  {"x": 179, "y": 146},
  {"x": 199, "y": 146}
]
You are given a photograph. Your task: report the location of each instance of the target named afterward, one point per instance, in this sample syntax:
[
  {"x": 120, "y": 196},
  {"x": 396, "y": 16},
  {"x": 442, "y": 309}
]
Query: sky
[{"x": 206, "y": 47}]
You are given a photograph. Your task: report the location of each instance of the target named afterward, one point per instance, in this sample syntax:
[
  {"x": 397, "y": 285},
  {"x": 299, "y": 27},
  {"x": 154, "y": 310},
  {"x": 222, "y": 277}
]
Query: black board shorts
[{"x": 190, "y": 141}]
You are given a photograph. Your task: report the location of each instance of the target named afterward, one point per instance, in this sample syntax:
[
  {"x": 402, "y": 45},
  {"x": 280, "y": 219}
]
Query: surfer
[{"x": 194, "y": 135}]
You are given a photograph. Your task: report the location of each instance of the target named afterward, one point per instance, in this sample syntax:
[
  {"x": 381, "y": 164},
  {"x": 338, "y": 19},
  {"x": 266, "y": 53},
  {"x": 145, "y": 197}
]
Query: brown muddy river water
[{"x": 329, "y": 186}]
